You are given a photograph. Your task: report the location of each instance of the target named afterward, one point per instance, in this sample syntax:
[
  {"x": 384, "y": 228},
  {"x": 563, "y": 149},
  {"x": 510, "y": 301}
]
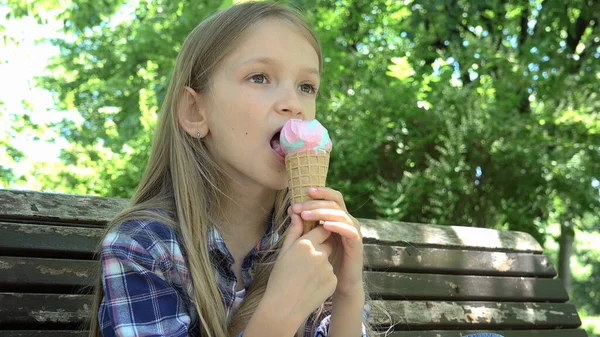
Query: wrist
[
  {"x": 271, "y": 318},
  {"x": 347, "y": 315},
  {"x": 355, "y": 293}
]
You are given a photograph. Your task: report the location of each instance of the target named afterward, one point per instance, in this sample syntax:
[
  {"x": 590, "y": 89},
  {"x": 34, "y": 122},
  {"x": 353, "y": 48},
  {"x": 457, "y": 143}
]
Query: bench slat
[
  {"x": 48, "y": 241},
  {"x": 78, "y": 242},
  {"x": 31, "y": 310},
  {"x": 505, "y": 333},
  {"x": 55, "y": 275},
  {"x": 45, "y": 275},
  {"x": 435, "y": 333},
  {"x": 96, "y": 211},
  {"x": 43, "y": 333},
  {"x": 403, "y": 286},
  {"x": 379, "y": 231},
  {"x": 409, "y": 315},
  {"x": 62, "y": 241},
  {"x": 53, "y": 309},
  {"x": 55, "y": 207},
  {"x": 453, "y": 261}
]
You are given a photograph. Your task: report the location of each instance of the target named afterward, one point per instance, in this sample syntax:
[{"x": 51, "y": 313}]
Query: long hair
[{"x": 184, "y": 182}]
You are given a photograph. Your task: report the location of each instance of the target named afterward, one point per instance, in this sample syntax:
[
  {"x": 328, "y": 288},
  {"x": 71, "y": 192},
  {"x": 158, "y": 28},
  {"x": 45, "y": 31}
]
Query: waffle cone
[{"x": 306, "y": 170}]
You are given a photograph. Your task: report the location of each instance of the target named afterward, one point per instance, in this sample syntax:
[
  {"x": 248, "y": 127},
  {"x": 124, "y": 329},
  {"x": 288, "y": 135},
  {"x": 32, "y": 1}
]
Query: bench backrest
[{"x": 433, "y": 280}]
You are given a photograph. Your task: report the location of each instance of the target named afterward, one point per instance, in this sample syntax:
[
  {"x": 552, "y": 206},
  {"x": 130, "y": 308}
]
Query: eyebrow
[{"x": 270, "y": 61}]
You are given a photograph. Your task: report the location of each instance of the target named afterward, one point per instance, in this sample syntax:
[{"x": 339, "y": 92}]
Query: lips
[{"x": 276, "y": 147}]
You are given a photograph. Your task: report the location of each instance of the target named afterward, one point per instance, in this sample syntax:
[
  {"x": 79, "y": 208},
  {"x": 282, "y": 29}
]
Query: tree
[{"x": 9, "y": 154}]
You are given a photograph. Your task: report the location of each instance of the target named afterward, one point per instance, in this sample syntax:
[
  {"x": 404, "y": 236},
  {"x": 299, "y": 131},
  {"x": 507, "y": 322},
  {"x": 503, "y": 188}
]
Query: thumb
[{"x": 294, "y": 232}]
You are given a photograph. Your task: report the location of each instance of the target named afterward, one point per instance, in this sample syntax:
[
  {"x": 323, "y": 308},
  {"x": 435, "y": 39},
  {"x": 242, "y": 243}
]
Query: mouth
[{"x": 276, "y": 147}]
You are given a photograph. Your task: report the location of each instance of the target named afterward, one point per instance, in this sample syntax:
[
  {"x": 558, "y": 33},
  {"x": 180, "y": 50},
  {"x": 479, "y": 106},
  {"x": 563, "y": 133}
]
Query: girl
[{"x": 209, "y": 245}]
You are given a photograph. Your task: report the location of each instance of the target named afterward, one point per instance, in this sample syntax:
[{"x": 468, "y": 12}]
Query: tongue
[{"x": 276, "y": 145}]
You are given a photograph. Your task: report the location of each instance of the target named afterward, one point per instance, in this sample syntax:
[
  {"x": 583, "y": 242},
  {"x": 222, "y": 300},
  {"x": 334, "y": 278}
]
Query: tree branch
[
  {"x": 574, "y": 37},
  {"x": 589, "y": 49},
  {"x": 524, "y": 20},
  {"x": 541, "y": 13}
]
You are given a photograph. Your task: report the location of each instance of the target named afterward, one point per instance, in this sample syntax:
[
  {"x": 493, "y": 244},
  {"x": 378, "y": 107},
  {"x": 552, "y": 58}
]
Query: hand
[
  {"x": 328, "y": 208},
  {"x": 302, "y": 277}
]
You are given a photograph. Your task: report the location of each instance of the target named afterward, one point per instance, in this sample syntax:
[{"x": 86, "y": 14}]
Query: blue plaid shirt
[{"x": 147, "y": 286}]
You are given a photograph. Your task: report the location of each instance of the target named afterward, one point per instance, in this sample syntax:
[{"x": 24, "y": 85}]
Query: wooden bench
[{"x": 434, "y": 280}]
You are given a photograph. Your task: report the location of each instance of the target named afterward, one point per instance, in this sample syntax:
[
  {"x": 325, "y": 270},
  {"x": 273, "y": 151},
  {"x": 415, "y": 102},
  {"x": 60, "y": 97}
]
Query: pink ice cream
[{"x": 301, "y": 136}]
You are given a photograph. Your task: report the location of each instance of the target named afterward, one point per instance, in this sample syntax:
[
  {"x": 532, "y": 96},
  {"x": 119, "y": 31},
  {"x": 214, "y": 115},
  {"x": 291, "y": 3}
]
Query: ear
[{"x": 191, "y": 113}]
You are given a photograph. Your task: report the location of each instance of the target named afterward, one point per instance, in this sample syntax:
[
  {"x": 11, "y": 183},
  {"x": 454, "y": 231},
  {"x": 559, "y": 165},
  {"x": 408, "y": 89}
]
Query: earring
[{"x": 199, "y": 134}]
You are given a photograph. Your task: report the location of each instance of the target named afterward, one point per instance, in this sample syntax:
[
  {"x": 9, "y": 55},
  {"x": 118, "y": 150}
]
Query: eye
[
  {"x": 258, "y": 78},
  {"x": 308, "y": 88}
]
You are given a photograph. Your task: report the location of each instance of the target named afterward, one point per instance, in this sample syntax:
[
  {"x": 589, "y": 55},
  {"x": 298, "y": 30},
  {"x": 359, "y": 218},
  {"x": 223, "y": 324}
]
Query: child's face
[{"x": 265, "y": 81}]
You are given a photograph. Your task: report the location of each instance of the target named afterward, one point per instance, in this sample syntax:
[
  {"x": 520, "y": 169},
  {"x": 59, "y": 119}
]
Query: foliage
[
  {"x": 9, "y": 154},
  {"x": 585, "y": 266}
]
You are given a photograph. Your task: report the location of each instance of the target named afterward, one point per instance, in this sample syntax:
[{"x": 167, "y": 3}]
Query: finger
[
  {"x": 317, "y": 235},
  {"x": 326, "y": 193},
  {"x": 324, "y": 214},
  {"x": 343, "y": 229},
  {"x": 315, "y": 204},
  {"x": 327, "y": 246},
  {"x": 293, "y": 232}
]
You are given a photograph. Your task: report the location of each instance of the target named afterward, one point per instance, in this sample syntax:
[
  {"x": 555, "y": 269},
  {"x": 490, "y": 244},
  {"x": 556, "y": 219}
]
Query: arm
[
  {"x": 270, "y": 321},
  {"x": 347, "y": 316},
  {"x": 137, "y": 299}
]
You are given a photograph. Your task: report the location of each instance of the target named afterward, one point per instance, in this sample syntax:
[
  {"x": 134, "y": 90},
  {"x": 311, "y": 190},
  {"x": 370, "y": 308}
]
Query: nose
[{"x": 288, "y": 103}]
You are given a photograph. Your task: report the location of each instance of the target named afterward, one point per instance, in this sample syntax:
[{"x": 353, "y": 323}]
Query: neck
[{"x": 247, "y": 212}]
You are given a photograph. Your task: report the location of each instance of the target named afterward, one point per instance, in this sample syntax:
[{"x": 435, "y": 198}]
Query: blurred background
[{"x": 452, "y": 112}]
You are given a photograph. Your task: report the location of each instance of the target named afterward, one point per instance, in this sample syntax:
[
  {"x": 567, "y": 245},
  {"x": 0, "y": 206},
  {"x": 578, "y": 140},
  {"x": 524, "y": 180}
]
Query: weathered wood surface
[
  {"x": 43, "y": 333},
  {"x": 95, "y": 211},
  {"x": 31, "y": 310},
  {"x": 454, "y": 261},
  {"x": 60, "y": 208},
  {"x": 409, "y": 315},
  {"x": 379, "y": 231},
  {"x": 435, "y": 333},
  {"x": 74, "y": 242},
  {"x": 48, "y": 240},
  {"x": 45, "y": 275},
  {"x": 505, "y": 333},
  {"x": 404, "y": 286},
  {"x": 431, "y": 277},
  {"x": 53, "y": 275}
]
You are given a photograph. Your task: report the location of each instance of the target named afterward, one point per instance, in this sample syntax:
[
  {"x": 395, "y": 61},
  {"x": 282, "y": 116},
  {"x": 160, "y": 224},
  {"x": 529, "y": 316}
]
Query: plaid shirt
[{"x": 147, "y": 286}]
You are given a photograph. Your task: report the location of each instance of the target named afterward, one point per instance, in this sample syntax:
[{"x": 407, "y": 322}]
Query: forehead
[{"x": 275, "y": 39}]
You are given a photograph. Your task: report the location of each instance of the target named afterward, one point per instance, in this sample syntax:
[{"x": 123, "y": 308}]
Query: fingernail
[
  {"x": 297, "y": 207},
  {"x": 307, "y": 214},
  {"x": 313, "y": 189}
]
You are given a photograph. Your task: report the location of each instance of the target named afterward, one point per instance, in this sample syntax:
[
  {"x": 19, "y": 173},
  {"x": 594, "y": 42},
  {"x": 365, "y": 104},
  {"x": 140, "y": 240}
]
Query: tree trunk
[{"x": 567, "y": 236}]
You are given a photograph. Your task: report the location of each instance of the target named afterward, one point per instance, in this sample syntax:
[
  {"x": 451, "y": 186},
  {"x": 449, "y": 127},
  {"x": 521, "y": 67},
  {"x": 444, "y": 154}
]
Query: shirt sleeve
[
  {"x": 138, "y": 301},
  {"x": 323, "y": 327}
]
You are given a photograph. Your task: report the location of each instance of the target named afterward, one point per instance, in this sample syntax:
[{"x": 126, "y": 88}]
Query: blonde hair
[{"x": 184, "y": 181}]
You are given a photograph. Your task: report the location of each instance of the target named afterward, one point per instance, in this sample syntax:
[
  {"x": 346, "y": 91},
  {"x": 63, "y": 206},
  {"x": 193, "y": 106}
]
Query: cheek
[
  {"x": 243, "y": 113},
  {"x": 309, "y": 106},
  {"x": 251, "y": 113},
  {"x": 240, "y": 128}
]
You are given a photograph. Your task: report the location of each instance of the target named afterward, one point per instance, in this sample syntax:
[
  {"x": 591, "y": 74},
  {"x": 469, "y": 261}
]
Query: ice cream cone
[{"x": 305, "y": 170}]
